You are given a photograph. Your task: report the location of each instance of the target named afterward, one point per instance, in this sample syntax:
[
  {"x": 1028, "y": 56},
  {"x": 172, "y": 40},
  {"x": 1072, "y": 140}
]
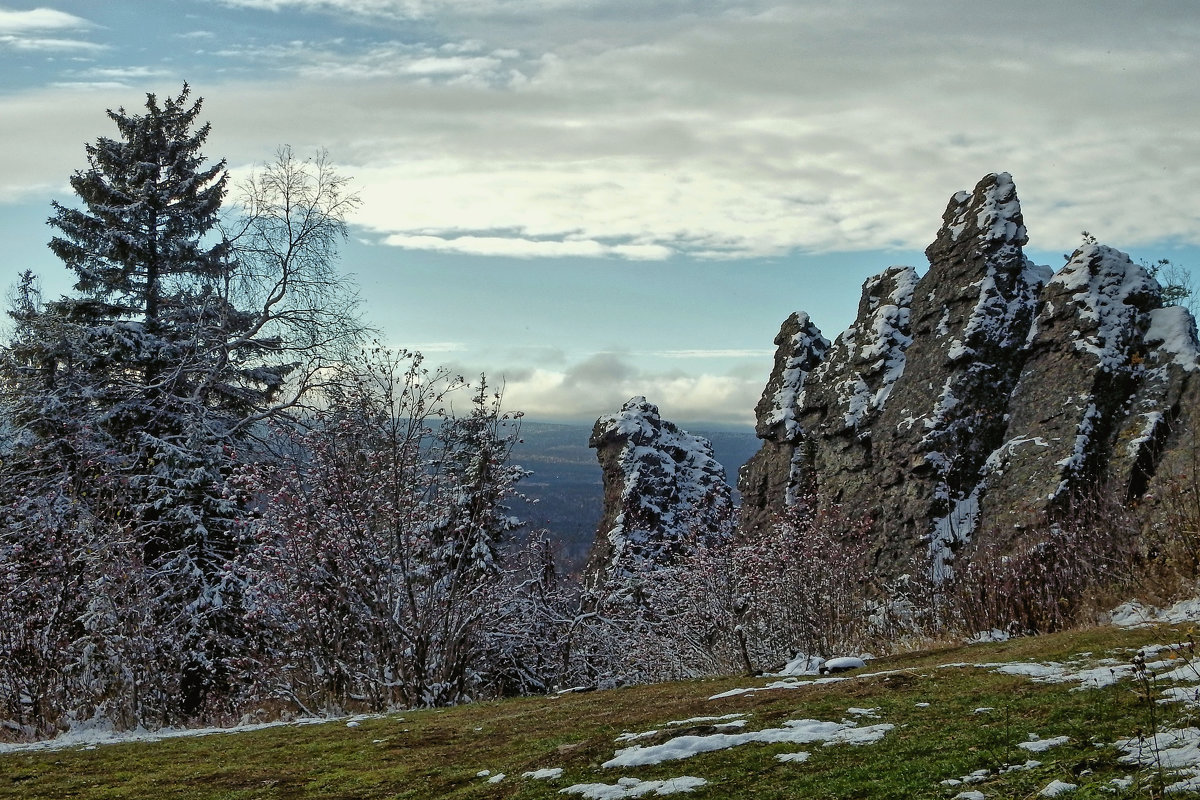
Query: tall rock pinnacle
[{"x": 662, "y": 490}]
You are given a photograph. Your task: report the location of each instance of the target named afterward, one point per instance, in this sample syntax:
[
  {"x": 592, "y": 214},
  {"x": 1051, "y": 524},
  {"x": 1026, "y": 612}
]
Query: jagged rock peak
[
  {"x": 989, "y": 218},
  {"x": 868, "y": 358},
  {"x": 1109, "y": 293},
  {"x": 800, "y": 348},
  {"x": 983, "y": 397},
  {"x": 662, "y": 490}
]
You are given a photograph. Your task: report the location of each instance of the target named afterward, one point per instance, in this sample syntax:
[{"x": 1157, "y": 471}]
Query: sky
[{"x": 594, "y": 199}]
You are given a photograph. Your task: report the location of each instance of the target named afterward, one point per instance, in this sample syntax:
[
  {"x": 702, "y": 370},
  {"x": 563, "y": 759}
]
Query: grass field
[{"x": 948, "y": 718}]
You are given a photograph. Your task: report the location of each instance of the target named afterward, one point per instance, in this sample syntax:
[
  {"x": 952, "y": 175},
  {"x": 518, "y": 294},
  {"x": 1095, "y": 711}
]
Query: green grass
[{"x": 438, "y": 753}]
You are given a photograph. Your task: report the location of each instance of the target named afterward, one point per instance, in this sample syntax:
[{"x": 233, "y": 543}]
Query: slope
[{"x": 1009, "y": 719}]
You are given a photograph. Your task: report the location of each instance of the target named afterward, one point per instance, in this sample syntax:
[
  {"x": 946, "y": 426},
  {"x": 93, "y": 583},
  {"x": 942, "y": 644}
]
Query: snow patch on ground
[
  {"x": 725, "y": 718},
  {"x": 1038, "y": 745},
  {"x": 803, "y": 731},
  {"x": 802, "y": 664},
  {"x": 1134, "y": 614},
  {"x": 1057, "y": 787},
  {"x": 632, "y": 787},
  {"x": 101, "y": 732}
]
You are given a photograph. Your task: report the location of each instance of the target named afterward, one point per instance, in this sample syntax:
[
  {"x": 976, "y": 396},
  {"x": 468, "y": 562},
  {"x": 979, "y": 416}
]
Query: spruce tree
[{"x": 142, "y": 379}]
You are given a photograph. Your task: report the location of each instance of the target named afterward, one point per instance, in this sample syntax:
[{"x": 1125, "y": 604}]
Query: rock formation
[
  {"x": 662, "y": 489},
  {"x": 981, "y": 397}
]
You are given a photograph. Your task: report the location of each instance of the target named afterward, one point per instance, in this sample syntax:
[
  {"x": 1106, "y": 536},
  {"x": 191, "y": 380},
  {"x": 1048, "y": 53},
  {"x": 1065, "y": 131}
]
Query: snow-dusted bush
[
  {"x": 747, "y": 602},
  {"x": 372, "y": 573},
  {"x": 1051, "y": 578}
]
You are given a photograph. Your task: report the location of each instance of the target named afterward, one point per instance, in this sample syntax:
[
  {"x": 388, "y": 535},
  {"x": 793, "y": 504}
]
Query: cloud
[
  {"x": 124, "y": 74},
  {"x": 40, "y": 44},
  {"x": 718, "y": 130},
  {"x": 456, "y": 63},
  {"x": 518, "y": 247},
  {"x": 39, "y": 19},
  {"x": 25, "y": 31},
  {"x": 742, "y": 135},
  {"x": 714, "y": 353},
  {"x": 601, "y": 383},
  {"x": 418, "y": 9}
]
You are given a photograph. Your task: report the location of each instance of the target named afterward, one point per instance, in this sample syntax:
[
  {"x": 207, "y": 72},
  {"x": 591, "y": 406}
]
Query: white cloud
[
  {"x": 601, "y": 383},
  {"x": 719, "y": 129},
  {"x": 41, "y": 44},
  {"x": 548, "y": 394},
  {"x": 26, "y": 31},
  {"x": 418, "y": 64},
  {"x": 415, "y": 9},
  {"x": 39, "y": 19},
  {"x": 714, "y": 353},
  {"x": 124, "y": 74},
  {"x": 518, "y": 247}
]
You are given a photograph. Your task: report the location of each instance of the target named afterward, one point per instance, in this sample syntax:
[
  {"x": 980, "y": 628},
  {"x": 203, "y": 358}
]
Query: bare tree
[{"x": 288, "y": 220}]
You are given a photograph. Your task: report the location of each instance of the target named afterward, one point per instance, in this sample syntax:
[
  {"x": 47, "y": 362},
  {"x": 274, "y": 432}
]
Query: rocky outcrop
[
  {"x": 770, "y": 480},
  {"x": 984, "y": 395},
  {"x": 663, "y": 490}
]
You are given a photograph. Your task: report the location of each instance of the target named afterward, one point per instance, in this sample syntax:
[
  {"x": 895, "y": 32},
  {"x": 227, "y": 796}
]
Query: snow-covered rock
[
  {"x": 985, "y": 395},
  {"x": 663, "y": 490}
]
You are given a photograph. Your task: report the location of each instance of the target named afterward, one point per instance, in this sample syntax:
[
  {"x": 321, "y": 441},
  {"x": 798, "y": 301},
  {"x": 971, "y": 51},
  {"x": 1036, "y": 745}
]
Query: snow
[
  {"x": 1154, "y": 420},
  {"x": 632, "y": 787},
  {"x": 973, "y": 794},
  {"x": 499, "y": 776},
  {"x": 548, "y": 773},
  {"x": 1038, "y": 745},
  {"x": 863, "y": 712},
  {"x": 802, "y": 664},
  {"x": 873, "y": 351},
  {"x": 803, "y": 731},
  {"x": 698, "y": 720},
  {"x": 1133, "y": 614},
  {"x": 1173, "y": 331},
  {"x": 101, "y": 732},
  {"x": 1105, "y": 286},
  {"x": 843, "y": 663},
  {"x": 808, "y": 348},
  {"x": 997, "y": 218},
  {"x": 793, "y": 758},
  {"x": 1072, "y": 465},
  {"x": 1057, "y": 787},
  {"x": 950, "y": 531},
  {"x": 668, "y": 476},
  {"x": 792, "y": 683}
]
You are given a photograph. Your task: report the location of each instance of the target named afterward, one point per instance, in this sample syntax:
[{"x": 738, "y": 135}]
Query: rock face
[
  {"x": 982, "y": 397},
  {"x": 662, "y": 488},
  {"x": 772, "y": 475}
]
